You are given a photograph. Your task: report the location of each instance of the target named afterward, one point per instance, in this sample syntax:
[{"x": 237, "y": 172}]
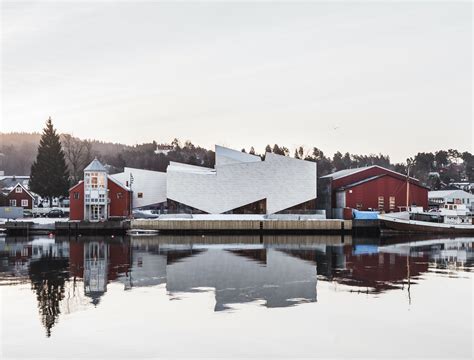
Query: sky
[{"x": 364, "y": 77}]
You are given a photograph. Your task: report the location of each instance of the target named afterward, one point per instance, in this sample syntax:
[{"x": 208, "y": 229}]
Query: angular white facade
[
  {"x": 239, "y": 179},
  {"x": 149, "y": 187}
]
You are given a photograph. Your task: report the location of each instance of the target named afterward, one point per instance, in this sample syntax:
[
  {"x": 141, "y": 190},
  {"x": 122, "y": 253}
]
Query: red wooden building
[
  {"x": 370, "y": 188},
  {"x": 119, "y": 200},
  {"x": 20, "y": 196}
]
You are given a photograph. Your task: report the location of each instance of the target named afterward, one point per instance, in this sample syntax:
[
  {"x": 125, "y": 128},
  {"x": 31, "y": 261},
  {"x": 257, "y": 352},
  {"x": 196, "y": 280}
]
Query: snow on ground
[{"x": 37, "y": 220}]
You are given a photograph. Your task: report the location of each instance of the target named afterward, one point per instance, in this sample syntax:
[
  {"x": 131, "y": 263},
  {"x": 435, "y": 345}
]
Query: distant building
[
  {"x": 456, "y": 196},
  {"x": 466, "y": 186},
  {"x": 369, "y": 188},
  {"x": 7, "y": 182},
  {"x": 20, "y": 196},
  {"x": 99, "y": 197},
  {"x": 163, "y": 149}
]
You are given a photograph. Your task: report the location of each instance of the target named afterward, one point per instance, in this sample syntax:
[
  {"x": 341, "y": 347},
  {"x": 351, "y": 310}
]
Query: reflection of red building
[
  {"x": 381, "y": 271},
  {"x": 376, "y": 270},
  {"x": 98, "y": 262}
]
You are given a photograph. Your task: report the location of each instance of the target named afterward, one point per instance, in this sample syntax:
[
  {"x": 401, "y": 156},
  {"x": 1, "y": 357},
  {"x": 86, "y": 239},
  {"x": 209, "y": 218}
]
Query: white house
[{"x": 451, "y": 196}]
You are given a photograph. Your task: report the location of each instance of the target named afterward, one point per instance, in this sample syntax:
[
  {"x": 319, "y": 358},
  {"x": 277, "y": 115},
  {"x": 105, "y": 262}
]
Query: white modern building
[
  {"x": 243, "y": 183},
  {"x": 238, "y": 183},
  {"x": 452, "y": 197},
  {"x": 148, "y": 187}
]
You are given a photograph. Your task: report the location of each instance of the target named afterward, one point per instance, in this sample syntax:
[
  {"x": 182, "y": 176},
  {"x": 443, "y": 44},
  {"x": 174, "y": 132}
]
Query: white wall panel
[
  {"x": 152, "y": 184},
  {"x": 283, "y": 181}
]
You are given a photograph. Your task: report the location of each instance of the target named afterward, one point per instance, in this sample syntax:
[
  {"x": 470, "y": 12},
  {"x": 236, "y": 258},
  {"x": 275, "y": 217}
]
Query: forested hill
[{"x": 18, "y": 151}]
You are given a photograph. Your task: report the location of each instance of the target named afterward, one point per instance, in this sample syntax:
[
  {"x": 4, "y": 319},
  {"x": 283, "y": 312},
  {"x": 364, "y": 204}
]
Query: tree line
[{"x": 32, "y": 153}]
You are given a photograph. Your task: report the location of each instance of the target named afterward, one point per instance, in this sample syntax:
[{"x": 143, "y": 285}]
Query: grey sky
[{"x": 390, "y": 77}]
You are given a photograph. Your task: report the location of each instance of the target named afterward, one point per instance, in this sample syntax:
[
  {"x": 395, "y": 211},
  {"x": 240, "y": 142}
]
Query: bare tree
[{"x": 78, "y": 155}]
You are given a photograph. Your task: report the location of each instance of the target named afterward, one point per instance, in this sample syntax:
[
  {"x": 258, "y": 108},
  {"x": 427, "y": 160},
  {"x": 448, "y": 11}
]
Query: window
[
  {"x": 13, "y": 202},
  {"x": 381, "y": 203},
  {"x": 140, "y": 195},
  {"x": 359, "y": 206},
  {"x": 76, "y": 195},
  {"x": 24, "y": 202},
  {"x": 392, "y": 202},
  {"x": 94, "y": 182},
  {"x": 18, "y": 189},
  {"x": 119, "y": 195}
]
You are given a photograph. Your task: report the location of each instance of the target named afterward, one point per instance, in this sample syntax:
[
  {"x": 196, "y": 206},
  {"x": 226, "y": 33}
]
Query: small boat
[
  {"x": 449, "y": 219},
  {"x": 142, "y": 232}
]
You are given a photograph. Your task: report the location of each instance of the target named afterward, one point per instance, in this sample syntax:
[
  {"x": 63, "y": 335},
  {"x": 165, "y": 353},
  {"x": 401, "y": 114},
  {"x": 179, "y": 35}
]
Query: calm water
[{"x": 275, "y": 296}]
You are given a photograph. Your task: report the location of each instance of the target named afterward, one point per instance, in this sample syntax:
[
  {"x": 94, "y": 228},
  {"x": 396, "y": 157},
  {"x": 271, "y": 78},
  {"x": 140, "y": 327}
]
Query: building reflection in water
[{"x": 72, "y": 275}]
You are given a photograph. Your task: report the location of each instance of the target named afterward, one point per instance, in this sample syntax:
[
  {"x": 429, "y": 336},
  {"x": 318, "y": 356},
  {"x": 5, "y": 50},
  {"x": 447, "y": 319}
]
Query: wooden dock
[
  {"x": 26, "y": 228},
  {"x": 245, "y": 226}
]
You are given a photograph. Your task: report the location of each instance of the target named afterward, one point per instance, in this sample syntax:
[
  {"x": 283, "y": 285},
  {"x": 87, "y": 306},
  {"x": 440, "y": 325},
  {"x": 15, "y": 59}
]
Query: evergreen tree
[{"x": 49, "y": 175}]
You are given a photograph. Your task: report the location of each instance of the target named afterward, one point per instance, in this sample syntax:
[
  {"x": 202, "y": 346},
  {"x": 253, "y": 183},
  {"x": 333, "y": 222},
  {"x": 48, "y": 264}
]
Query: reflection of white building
[
  {"x": 239, "y": 183},
  {"x": 96, "y": 256}
]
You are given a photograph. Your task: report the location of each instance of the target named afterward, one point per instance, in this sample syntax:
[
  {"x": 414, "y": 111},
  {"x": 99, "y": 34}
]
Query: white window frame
[
  {"x": 18, "y": 189},
  {"x": 12, "y": 202},
  {"x": 24, "y": 202}
]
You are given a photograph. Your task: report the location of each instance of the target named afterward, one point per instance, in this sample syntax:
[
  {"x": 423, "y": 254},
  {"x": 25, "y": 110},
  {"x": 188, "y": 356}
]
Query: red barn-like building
[
  {"x": 370, "y": 188},
  {"x": 20, "y": 196},
  {"x": 119, "y": 200}
]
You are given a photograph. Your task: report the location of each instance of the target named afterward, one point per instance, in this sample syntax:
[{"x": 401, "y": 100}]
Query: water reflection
[{"x": 278, "y": 271}]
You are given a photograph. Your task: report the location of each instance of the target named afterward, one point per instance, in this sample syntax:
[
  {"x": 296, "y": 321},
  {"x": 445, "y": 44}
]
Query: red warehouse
[
  {"x": 20, "y": 196},
  {"x": 99, "y": 197},
  {"x": 370, "y": 188}
]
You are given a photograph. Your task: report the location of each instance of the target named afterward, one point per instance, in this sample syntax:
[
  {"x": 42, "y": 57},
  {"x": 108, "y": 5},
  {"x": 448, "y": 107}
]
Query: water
[{"x": 222, "y": 296}]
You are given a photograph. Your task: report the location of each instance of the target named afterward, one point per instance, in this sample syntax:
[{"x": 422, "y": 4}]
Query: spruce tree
[{"x": 49, "y": 175}]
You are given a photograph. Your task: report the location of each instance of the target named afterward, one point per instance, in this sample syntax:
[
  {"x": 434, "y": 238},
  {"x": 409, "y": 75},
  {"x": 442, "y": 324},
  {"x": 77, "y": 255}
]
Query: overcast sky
[{"x": 390, "y": 77}]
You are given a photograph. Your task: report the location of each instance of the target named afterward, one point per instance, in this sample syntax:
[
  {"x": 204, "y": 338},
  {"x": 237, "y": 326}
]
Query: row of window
[
  {"x": 24, "y": 202},
  {"x": 381, "y": 203},
  {"x": 77, "y": 196}
]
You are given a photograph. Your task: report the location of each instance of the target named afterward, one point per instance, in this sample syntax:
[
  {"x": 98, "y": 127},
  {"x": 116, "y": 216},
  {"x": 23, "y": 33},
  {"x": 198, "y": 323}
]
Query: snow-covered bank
[{"x": 41, "y": 221}]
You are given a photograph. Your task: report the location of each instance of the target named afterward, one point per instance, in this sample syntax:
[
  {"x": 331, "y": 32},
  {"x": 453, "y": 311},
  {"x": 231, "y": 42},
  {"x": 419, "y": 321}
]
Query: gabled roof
[
  {"x": 24, "y": 189},
  {"x": 74, "y": 186},
  {"x": 346, "y": 172},
  {"x": 115, "y": 181},
  {"x": 448, "y": 193},
  {"x": 412, "y": 181},
  {"x": 95, "y": 165}
]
